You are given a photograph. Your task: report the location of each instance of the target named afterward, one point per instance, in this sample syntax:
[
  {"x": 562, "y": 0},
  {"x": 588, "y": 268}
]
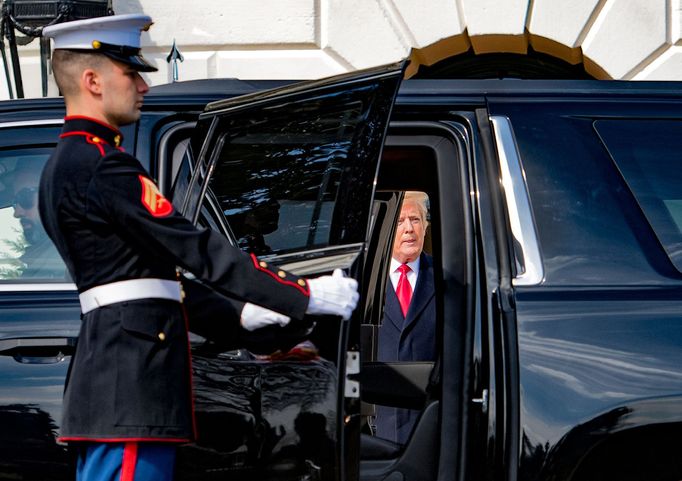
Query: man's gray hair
[{"x": 422, "y": 201}]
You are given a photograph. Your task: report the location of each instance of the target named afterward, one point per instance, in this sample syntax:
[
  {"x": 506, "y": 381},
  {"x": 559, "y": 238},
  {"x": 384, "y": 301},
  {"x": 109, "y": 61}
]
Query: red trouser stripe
[{"x": 129, "y": 462}]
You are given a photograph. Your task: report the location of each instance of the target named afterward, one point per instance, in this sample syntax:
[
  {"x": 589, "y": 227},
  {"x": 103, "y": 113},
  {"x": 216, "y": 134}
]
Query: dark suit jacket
[{"x": 412, "y": 338}]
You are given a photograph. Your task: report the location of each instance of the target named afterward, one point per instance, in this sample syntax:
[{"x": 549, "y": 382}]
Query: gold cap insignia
[{"x": 96, "y": 44}]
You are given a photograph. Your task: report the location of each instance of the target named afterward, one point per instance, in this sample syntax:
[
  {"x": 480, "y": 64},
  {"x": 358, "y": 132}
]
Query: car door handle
[{"x": 38, "y": 350}]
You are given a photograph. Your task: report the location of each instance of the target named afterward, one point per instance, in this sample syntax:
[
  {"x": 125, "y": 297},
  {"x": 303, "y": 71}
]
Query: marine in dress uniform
[{"x": 128, "y": 395}]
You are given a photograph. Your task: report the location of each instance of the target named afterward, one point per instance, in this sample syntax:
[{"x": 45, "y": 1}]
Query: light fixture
[{"x": 29, "y": 17}]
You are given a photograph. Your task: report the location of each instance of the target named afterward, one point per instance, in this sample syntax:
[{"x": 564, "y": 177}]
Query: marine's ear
[{"x": 91, "y": 81}]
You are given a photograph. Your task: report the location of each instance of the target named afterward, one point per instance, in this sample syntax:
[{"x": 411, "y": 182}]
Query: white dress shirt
[{"x": 394, "y": 273}]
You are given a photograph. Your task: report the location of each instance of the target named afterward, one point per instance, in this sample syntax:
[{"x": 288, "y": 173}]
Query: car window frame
[
  {"x": 367, "y": 143},
  {"x": 35, "y": 286},
  {"x": 213, "y": 139},
  {"x": 644, "y": 188}
]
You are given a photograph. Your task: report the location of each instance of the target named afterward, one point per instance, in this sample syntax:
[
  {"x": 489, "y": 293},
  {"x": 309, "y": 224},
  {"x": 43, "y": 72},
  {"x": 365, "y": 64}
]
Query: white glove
[
  {"x": 335, "y": 294},
  {"x": 254, "y": 317}
]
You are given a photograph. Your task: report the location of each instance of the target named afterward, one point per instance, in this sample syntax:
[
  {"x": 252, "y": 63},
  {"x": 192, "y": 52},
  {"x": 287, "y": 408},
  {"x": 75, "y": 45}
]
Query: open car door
[{"x": 288, "y": 175}]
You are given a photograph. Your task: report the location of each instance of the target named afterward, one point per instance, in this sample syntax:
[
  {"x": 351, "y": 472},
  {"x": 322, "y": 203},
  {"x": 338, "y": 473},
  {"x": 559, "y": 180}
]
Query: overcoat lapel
[
  {"x": 392, "y": 310},
  {"x": 423, "y": 292}
]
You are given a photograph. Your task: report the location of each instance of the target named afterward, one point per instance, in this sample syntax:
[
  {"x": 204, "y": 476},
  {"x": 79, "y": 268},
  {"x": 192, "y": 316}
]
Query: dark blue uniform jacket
[{"x": 130, "y": 376}]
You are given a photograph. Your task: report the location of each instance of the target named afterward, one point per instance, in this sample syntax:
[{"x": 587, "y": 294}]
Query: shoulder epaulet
[{"x": 99, "y": 142}]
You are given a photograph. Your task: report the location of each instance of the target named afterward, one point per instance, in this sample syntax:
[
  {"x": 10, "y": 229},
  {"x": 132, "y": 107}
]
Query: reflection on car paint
[{"x": 251, "y": 417}]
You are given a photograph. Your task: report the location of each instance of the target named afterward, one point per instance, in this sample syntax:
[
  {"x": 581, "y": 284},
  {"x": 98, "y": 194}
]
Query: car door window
[
  {"x": 277, "y": 188},
  {"x": 296, "y": 174},
  {"x": 647, "y": 153},
  {"x": 27, "y": 255}
]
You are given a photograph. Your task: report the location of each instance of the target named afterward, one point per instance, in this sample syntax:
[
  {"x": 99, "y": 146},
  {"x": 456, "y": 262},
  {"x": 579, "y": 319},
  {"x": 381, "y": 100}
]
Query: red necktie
[{"x": 404, "y": 290}]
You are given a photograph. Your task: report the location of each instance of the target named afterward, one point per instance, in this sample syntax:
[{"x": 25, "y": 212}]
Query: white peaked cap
[{"x": 117, "y": 36}]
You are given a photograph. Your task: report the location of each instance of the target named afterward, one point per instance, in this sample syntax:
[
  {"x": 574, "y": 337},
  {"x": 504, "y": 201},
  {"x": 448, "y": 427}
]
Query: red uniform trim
[
  {"x": 75, "y": 132},
  {"x": 85, "y": 117},
  {"x": 189, "y": 363},
  {"x": 69, "y": 439},
  {"x": 305, "y": 290},
  {"x": 88, "y": 138},
  {"x": 83, "y": 133},
  {"x": 129, "y": 462}
]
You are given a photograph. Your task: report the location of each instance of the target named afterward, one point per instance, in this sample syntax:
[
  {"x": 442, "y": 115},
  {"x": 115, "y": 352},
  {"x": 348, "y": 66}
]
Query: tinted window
[
  {"x": 181, "y": 175},
  {"x": 590, "y": 228},
  {"x": 277, "y": 184},
  {"x": 26, "y": 252},
  {"x": 648, "y": 154}
]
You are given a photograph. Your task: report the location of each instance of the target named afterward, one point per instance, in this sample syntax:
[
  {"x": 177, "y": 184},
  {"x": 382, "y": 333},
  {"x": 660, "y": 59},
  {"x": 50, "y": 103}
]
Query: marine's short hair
[{"x": 67, "y": 65}]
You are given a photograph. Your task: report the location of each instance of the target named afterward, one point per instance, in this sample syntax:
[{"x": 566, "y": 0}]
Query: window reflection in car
[
  {"x": 26, "y": 252},
  {"x": 278, "y": 191}
]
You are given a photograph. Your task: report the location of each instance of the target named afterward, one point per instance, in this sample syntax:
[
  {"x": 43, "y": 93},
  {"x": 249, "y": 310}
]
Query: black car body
[{"x": 556, "y": 214}]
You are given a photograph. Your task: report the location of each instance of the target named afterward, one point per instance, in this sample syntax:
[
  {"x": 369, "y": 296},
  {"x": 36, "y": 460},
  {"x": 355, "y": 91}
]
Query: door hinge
[
  {"x": 351, "y": 386},
  {"x": 483, "y": 401}
]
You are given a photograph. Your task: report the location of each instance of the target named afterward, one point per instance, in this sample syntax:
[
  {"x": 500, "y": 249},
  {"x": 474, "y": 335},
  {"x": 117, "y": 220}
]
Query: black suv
[{"x": 556, "y": 232}]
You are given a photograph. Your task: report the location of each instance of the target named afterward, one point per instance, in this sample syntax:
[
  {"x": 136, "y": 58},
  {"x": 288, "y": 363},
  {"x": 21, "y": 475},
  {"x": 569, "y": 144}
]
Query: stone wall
[{"x": 302, "y": 39}]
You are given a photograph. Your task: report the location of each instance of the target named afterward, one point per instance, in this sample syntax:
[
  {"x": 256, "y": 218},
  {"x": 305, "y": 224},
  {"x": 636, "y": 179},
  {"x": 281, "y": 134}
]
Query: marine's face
[
  {"x": 409, "y": 234},
  {"x": 123, "y": 92},
  {"x": 26, "y": 205}
]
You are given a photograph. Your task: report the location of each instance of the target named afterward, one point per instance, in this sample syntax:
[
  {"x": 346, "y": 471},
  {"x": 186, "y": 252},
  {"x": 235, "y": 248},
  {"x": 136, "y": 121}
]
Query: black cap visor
[
  {"x": 138, "y": 62},
  {"x": 127, "y": 55}
]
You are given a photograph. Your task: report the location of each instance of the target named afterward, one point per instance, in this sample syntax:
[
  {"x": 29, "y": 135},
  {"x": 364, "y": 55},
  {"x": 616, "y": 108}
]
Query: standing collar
[{"x": 86, "y": 125}]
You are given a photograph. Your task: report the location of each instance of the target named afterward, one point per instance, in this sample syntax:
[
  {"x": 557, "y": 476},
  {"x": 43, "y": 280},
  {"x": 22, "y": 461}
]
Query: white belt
[{"x": 130, "y": 290}]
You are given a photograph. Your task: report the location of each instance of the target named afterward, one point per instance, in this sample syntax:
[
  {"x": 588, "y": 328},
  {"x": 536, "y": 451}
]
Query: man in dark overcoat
[{"x": 408, "y": 329}]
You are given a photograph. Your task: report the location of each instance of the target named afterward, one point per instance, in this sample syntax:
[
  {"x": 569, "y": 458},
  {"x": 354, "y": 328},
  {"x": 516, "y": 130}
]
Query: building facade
[{"x": 304, "y": 39}]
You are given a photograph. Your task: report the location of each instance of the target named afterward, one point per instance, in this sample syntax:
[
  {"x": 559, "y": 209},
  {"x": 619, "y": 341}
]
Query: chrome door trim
[
  {"x": 37, "y": 286},
  {"x": 513, "y": 179},
  {"x": 27, "y": 123}
]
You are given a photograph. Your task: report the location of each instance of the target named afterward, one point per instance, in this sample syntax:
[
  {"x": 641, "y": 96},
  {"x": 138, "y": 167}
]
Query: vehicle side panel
[{"x": 599, "y": 337}]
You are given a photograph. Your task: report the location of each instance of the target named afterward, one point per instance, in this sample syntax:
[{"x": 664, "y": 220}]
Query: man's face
[
  {"x": 410, "y": 233},
  {"x": 26, "y": 204},
  {"x": 123, "y": 92}
]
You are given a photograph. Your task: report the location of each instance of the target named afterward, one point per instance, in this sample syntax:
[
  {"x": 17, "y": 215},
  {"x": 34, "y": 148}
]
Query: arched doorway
[{"x": 532, "y": 65}]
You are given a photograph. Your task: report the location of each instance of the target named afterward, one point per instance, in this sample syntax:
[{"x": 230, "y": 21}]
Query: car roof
[
  {"x": 229, "y": 86},
  {"x": 539, "y": 87},
  {"x": 194, "y": 93},
  {"x": 411, "y": 91}
]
